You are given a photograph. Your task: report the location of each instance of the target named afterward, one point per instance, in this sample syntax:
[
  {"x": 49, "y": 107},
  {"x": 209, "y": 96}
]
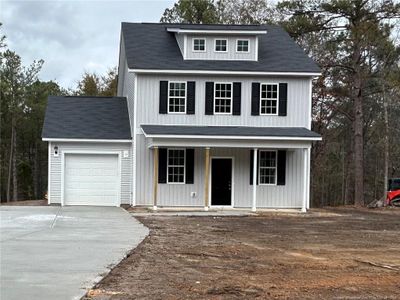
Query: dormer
[{"x": 216, "y": 42}]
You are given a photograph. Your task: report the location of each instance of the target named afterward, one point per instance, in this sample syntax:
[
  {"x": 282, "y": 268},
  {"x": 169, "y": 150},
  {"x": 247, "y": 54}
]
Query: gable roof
[
  {"x": 150, "y": 46},
  {"x": 86, "y": 118}
]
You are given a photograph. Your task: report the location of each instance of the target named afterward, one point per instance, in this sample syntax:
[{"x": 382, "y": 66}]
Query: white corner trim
[
  {"x": 216, "y": 72},
  {"x": 85, "y": 140},
  {"x": 49, "y": 175},
  {"x": 134, "y": 141},
  {"x": 185, "y": 47}
]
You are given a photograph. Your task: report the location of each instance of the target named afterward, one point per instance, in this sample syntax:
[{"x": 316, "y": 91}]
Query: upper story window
[
  {"x": 221, "y": 45},
  {"x": 223, "y": 98},
  {"x": 242, "y": 46},
  {"x": 199, "y": 45},
  {"x": 176, "y": 166},
  {"x": 177, "y": 97},
  {"x": 269, "y": 99},
  {"x": 267, "y": 167}
]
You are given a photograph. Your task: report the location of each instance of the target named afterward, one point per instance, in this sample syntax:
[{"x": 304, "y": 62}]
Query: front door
[{"x": 221, "y": 181}]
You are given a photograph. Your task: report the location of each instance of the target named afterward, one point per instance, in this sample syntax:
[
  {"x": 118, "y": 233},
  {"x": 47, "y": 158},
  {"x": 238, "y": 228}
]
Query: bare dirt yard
[{"x": 341, "y": 253}]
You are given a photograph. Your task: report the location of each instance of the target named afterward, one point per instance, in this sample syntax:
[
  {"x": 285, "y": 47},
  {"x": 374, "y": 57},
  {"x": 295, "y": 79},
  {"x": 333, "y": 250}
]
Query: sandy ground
[{"x": 327, "y": 254}]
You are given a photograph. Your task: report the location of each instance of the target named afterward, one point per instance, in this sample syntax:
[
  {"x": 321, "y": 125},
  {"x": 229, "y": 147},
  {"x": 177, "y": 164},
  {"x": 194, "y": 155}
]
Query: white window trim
[
  {"x": 177, "y": 112},
  {"x": 248, "y": 46},
  {"x": 215, "y": 90},
  {"x": 215, "y": 45},
  {"x": 184, "y": 166},
  {"x": 277, "y": 98},
  {"x": 259, "y": 167},
  {"x": 205, "y": 44}
]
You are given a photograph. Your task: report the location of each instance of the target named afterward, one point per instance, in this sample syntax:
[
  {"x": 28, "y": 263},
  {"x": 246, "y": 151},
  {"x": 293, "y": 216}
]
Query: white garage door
[{"x": 91, "y": 179}]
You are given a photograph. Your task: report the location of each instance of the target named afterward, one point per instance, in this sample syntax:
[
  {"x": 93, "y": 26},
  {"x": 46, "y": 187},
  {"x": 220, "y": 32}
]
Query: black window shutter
[
  {"x": 255, "y": 98},
  {"x": 209, "y": 98},
  {"x": 189, "y": 166},
  {"x": 162, "y": 165},
  {"x": 281, "y": 176},
  {"x": 283, "y": 99},
  {"x": 237, "y": 95},
  {"x": 190, "y": 98},
  {"x": 163, "y": 107},
  {"x": 251, "y": 165}
]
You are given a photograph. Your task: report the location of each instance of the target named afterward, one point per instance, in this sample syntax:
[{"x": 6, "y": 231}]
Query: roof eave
[
  {"x": 234, "y": 137},
  {"x": 210, "y": 31},
  {"x": 84, "y": 140},
  {"x": 219, "y": 72}
]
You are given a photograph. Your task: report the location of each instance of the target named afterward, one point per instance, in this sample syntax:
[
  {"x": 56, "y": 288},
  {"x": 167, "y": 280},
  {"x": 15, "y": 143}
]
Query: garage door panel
[{"x": 91, "y": 179}]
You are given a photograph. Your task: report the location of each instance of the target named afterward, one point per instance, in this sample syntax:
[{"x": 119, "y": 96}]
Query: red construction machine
[{"x": 393, "y": 194}]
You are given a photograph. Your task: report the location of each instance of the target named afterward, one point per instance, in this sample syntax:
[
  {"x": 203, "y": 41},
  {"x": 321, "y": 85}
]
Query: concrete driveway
[{"x": 60, "y": 252}]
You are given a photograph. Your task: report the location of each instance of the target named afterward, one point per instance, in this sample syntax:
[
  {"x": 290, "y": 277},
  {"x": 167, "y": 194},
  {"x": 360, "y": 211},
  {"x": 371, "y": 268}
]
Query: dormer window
[
  {"x": 221, "y": 45},
  {"x": 242, "y": 46},
  {"x": 199, "y": 45}
]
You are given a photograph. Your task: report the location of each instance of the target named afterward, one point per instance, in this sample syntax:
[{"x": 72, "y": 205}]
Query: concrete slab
[
  {"x": 210, "y": 213},
  {"x": 60, "y": 252}
]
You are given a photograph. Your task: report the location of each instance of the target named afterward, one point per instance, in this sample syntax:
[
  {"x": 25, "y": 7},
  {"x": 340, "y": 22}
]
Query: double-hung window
[
  {"x": 223, "y": 98},
  {"x": 177, "y": 97},
  {"x": 221, "y": 45},
  {"x": 199, "y": 45},
  {"x": 269, "y": 99},
  {"x": 242, "y": 46},
  {"x": 176, "y": 165},
  {"x": 267, "y": 167}
]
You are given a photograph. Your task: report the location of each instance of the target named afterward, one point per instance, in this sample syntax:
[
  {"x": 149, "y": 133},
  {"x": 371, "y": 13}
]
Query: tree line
[
  {"x": 23, "y": 99},
  {"x": 355, "y": 102}
]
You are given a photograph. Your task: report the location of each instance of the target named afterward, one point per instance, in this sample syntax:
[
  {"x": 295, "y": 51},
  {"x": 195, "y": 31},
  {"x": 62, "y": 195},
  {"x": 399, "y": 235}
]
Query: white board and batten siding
[
  {"x": 298, "y": 106},
  {"x": 103, "y": 164},
  {"x": 271, "y": 196}
]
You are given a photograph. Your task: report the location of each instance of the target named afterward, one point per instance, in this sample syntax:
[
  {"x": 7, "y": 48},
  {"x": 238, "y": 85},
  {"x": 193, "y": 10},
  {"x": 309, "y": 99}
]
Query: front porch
[{"x": 222, "y": 171}]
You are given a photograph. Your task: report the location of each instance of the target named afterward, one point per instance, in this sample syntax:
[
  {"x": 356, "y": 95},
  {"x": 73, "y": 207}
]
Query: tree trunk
[
  {"x": 14, "y": 160},
  {"x": 35, "y": 172},
  {"x": 358, "y": 122},
  {"x": 386, "y": 144},
  {"x": 358, "y": 148},
  {"x": 10, "y": 160}
]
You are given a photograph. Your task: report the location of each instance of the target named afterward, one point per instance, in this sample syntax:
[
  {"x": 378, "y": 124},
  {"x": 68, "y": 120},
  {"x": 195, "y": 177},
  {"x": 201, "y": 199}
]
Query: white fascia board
[
  {"x": 208, "y": 72},
  {"x": 85, "y": 140},
  {"x": 247, "y": 32},
  {"x": 229, "y": 137}
]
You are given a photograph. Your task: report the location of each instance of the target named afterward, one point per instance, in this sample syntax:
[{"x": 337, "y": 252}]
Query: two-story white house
[{"x": 207, "y": 116}]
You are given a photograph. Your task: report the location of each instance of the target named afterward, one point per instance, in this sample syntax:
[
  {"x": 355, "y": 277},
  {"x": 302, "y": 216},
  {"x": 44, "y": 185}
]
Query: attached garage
[
  {"x": 91, "y": 179},
  {"x": 90, "y": 151}
]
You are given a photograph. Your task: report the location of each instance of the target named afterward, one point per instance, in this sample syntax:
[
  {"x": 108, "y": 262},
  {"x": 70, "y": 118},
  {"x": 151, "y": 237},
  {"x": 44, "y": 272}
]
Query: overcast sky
[{"x": 72, "y": 36}]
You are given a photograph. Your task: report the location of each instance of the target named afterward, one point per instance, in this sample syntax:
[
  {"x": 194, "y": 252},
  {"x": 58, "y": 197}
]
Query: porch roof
[{"x": 230, "y": 132}]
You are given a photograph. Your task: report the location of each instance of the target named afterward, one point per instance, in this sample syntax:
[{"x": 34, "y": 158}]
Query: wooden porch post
[
  {"x": 206, "y": 177},
  {"x": 255, "y": 163},
  {"x": 155, "y": 179}
]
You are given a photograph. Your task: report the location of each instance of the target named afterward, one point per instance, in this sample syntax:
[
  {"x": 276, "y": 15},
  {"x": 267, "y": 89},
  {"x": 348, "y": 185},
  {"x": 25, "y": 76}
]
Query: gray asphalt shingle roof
[
  {"x": 240, "y": 131},
  {"x": 86, "y": 118},
  {"x": 151, "y": 46}
]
